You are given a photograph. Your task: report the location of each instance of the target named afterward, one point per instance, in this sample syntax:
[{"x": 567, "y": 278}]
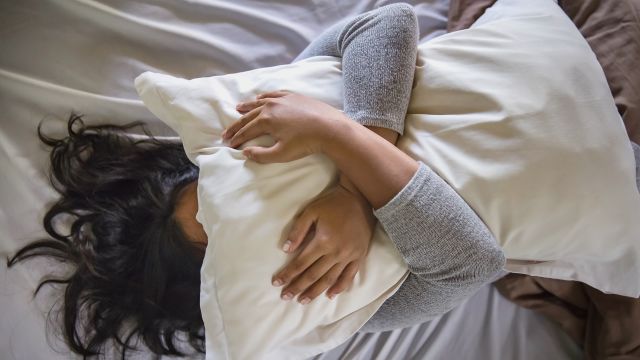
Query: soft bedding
[
  {"x": 521, "y": 147},
  {"x": 603, "y": 324},
  {"x": 82, "y": 55},
  {"x": 257, "y": 203}
]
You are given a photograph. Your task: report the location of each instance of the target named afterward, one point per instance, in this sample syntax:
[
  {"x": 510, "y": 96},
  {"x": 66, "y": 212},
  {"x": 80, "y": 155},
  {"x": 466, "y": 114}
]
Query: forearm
[
  {"x": 378, "y": 51},
  {"x": 387, "y": 134},
  {"x": 370, "y": 161},
  {"x": 447, "y": 247}
]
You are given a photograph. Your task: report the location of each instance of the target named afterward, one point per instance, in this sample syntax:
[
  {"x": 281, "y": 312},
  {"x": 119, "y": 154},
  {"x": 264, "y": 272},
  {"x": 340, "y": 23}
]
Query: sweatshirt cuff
[
  {"x": 368, "y": 120},
  {"x": 406, "y": 194}
]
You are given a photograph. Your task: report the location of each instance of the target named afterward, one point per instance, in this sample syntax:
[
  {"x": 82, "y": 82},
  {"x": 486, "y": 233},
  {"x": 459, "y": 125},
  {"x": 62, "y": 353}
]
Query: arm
[
  {"x": 375, "y": 166},
  {"x": 378, "y": 50},
  {"x": 422, "y": 295},
  {"x": 448, "y": 249},
  {"x": 387, "y": 134}
]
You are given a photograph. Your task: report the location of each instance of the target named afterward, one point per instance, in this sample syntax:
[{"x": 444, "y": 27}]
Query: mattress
[{"x": 60, "y": 56}]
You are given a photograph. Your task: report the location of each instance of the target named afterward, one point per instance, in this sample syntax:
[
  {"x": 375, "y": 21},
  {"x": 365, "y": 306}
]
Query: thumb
[
  {"x": 299, "y": 230},
  {"x": 262, "y": 155}
]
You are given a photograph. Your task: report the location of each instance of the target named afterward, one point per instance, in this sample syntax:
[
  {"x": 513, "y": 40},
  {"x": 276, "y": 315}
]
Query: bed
[{"x": 82, "y": 55}]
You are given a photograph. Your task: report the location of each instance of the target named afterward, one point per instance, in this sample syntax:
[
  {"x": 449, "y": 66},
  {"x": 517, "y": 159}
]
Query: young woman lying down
[{"x": 137, "y": 247}]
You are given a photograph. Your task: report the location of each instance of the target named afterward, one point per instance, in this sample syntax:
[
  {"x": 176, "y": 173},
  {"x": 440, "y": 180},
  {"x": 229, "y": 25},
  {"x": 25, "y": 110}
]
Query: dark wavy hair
[{"x": 135, "y": 270}]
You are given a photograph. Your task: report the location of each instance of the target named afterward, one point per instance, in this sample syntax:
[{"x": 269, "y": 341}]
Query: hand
[
  {"x": 299, "y": 124},
  {"x": 344, "y": 224}
]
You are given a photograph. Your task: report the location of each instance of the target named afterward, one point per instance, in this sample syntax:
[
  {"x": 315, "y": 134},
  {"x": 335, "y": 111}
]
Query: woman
[{"x": 137, "y": 247}]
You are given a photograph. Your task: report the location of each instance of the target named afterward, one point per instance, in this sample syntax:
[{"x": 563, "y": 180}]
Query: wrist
[
  {"x": 350, "y": 187},
  {"x": 336, "y": 139},
  {"x": 359, "y": 200}
]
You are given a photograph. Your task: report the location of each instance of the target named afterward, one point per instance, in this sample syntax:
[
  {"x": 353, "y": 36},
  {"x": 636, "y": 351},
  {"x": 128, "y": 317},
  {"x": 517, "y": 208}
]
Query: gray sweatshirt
[{"x": 449, "y": 250}]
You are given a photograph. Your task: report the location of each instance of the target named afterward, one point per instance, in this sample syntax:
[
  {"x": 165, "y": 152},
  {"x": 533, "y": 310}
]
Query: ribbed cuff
[
  {"x": 397, "y": 126},
  {"x": 405, "y": 195},
  {"x": 438, "y": 235}
]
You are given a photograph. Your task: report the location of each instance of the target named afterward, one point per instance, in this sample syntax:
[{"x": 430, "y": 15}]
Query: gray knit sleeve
[
  {"x": 378, "y": 50},
  {"x": 450, "y": 252},
  {"x": 448, "y": 249}
]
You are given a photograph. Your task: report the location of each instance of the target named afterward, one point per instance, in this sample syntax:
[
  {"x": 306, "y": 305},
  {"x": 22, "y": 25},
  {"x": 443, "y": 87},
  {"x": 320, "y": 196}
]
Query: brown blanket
[{"x": 606, "y": 326}]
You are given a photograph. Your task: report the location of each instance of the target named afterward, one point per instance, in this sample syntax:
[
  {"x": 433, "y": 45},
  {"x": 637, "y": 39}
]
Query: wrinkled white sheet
[{"x": 58, "y": 56}]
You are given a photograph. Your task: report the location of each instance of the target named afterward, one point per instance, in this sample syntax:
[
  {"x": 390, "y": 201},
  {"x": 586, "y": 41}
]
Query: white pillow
[
  {"x": 247, "y": 209},
  {"x": 514, "y": 113}
]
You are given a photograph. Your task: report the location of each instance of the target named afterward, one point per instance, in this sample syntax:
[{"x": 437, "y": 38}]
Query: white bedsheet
[{"x": 59, "y": 56}]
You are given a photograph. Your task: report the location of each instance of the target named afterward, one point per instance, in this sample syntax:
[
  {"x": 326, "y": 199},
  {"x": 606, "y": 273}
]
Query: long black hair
[{"x": 135, "y": 270}]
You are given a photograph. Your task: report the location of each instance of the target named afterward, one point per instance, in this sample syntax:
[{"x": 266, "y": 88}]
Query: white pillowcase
[
  {"x": 247, "y": 210},
  {"x": 514, "y": 113}
]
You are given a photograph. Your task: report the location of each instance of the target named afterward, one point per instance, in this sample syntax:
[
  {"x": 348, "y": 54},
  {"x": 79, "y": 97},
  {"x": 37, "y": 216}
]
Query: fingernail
[
  {"x": 287, "y": 296},
  {"x": 331, "y": 296},
  {"x": 224, "y": 134},
  {"x": 276, "y": 282},
  {"x": 286, "y": 246},
  {"x": 239, "y": 105},
  {"x": 304, "y": 301}
]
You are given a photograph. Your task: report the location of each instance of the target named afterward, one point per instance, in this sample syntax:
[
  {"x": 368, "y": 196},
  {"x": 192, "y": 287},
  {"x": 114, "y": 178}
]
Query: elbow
[
  {"x": 399, "y": 11},
  {"x": 403, "y": 22},
  {"x": 490, "y": 262},
  {"x": 471, "y": 269}
]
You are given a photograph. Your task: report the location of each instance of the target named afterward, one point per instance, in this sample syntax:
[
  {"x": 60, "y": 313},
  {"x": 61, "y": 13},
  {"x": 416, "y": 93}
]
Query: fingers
[
  {"x": 273, "y": 94},
  {"x": 240, "y": 123},
  {"x": 265, "y": 155},
  {"x": 322, "y": 284},
  {"x": 297, "y": 266},
  {"x": 345, "y": 279},
  {"x": 299, "y": 230},
  {"x": 311, "y": 275},
  {"x": 250, "y": 105},
  {"x": 261, "y": 99},
  {"x": 251, "y": 130}
]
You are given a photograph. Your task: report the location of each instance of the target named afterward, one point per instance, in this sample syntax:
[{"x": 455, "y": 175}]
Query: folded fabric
[
  {"x": 514, "y": 113},
  {"x": 602, "y": 324}
]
